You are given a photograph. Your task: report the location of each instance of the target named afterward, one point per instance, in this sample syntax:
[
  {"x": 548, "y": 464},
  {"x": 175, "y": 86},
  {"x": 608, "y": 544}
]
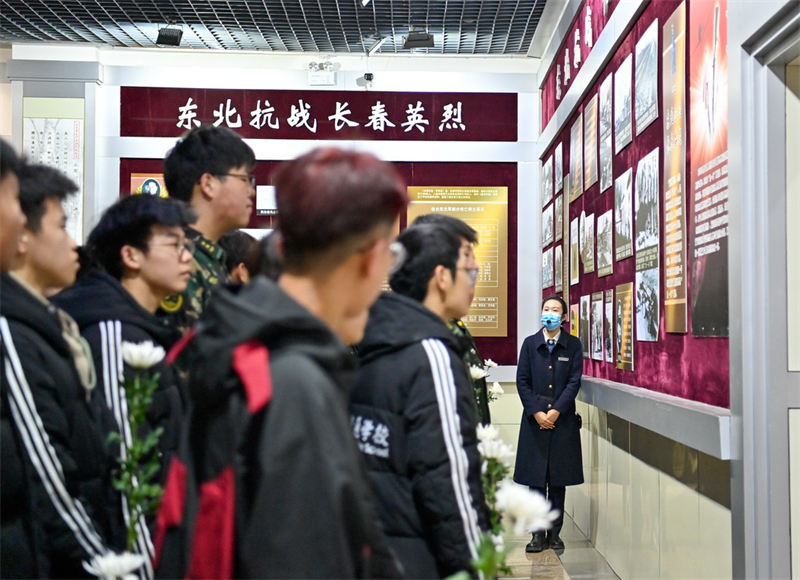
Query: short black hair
[
  {"x": 129, "y": 222},
  {"x": 559, "y": 299},
  {"x": 10, "y": 162},
  {"x": 38, "y": 183},
  {"x": 427, "y": 246},
  {"x": 205, "y": 149},
  {"x": 460, "y": 227},
  {"x": 265, "y": 257},
  {"x": 237, "y": 246}
]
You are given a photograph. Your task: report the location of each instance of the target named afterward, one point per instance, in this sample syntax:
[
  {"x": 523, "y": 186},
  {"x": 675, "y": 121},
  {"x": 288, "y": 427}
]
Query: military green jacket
[
  {"x": 208, "y": 271},
  {"x": 473, "y": 358}
]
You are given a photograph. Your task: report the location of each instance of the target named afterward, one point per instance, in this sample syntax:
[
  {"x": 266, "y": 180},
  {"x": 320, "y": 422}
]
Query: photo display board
[{"x": 654, "y": 203}]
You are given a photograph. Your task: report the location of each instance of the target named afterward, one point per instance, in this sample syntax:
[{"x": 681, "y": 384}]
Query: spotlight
[
  {"x": 364, "y": 3},
  {"x": 418, "y": 40},
  {"x": 313, "y": 67},
  {"x": 377, "y": 46},
  {"x": 169, "y": 36}
]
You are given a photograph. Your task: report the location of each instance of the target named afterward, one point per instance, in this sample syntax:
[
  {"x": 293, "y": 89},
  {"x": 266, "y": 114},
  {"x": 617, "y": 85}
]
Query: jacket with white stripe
[
  {"x": 68, "y": 463},
  {"x": 414, "y": 418}
]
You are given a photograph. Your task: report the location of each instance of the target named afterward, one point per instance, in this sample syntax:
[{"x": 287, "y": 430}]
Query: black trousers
[{"x": 557, "y": 496}]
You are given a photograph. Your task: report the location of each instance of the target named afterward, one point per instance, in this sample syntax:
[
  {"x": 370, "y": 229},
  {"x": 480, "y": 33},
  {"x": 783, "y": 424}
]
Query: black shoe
[
  {"x": 555, "y": 542},
  {"x": 537, "y": 543}
]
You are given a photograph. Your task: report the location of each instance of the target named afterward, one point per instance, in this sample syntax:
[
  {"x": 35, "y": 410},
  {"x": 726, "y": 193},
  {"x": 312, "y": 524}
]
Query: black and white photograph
[
  {"x": 623, "y": 111},
  {"x": 559, "y": 268},
  {"x": 574, "y": 252},
  {"x": 590, "y": 143},
  {"x": 597, "y": 325},
  {"x": 547, "y": 181},
  {"x": 608, "y": 336},
  {"x": 547, "y": 225},
  {"x": 647, "y": 309},
  {"x": 623, "y": 216},
  {"x": 606, "y": 153},
  {"x": 559, "y": 167},
  {"x": 547, "y": 268},
  {"x": 646, "y": 206},
  {"x": 587, "y": 242},
  {"x": 576, "y": 158},
  {"x": 646, "y": 84},
  {"x": 559, "y": 217},
  {"x": 584, "y": 325},
  {"x": 605, "y": 253}
]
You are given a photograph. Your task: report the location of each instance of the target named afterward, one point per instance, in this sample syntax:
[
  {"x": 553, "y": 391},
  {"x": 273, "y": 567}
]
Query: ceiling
[{"x": 459, "y": 27}]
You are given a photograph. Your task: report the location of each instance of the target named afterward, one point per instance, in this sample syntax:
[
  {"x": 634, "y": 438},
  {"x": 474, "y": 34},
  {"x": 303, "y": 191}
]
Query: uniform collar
[{"x": 205, "y": 245}]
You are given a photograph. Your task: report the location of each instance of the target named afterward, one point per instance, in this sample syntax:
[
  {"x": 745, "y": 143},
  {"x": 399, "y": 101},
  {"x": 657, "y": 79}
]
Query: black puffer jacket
[
  {"x": 268, "y": 452},
  {"x": 414, "y": 417},
  {"x": 67, "y": 461}
]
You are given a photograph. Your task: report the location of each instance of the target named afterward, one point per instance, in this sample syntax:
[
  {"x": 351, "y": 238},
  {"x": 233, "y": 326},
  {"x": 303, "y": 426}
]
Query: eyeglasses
[
  {"x": 472, "y": 274},
  {"x": 187, "y": 245},
  {"x": 399, "y": 255},
  {"x": 246, "y": 177}
]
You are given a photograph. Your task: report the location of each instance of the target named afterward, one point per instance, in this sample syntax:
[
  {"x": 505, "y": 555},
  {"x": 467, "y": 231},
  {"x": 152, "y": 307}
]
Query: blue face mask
[{"x": 551, "y": 320}]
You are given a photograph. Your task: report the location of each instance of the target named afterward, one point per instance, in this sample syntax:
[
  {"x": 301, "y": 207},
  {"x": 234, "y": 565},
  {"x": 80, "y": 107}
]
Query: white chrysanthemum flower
[
  {"x": 526, "y": 510},
  {"x": 499, "y": 543},
  {"x": 142, "y": 355},
  {"x": 496, "y": 389},
  {"x": 113, "y": 566},
  {"x": 488, "y": 432},
  {"x": 489, "y": 363},
  {"x": 476, "y": 372},
  {"x": 495, "y": 449}
]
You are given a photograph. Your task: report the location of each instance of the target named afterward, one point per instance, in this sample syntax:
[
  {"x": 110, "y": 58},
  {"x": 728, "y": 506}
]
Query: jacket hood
[
  {"x": 99, "y": 296},
  {"x": 395, "y": 321},
  {"x": 261, "y": 310}
]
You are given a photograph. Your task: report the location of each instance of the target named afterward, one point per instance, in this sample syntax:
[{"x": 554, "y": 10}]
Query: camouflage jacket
[
  {"x": 473, "y": 358},
  {"x": 208, "y": 270}
]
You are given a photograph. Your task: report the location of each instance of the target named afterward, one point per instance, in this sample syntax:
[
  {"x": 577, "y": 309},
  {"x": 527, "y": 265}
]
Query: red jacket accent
[{"x": 251, "y": 363}]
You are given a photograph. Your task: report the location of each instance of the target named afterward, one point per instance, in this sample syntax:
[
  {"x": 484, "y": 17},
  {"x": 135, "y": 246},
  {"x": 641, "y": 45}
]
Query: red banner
[{"x": 257, "y": 114}]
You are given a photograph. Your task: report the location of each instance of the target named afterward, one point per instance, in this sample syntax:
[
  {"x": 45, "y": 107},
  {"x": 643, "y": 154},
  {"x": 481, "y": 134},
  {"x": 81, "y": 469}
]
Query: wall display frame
[
  {"x": 585, "y": 329},
  {"x": 574, "y": 252},
  {"x": 608, "y": 341},
  {"x": 587, "y": 242},
  {"x": 623, "y": 216},
  {"x": 558, "y": 171},
  {"x": 606, "y": 126},
  {"x": 576, "y": 158},
  {"x": 559, "y": 217},
  {"x": 605, "y": 239},
  {"x": 558, "y": 261},
  {"x": 547, "y": 181},
  {"x": 647, "y": 212},
  {"x": 646, "y": 85},
  {"x": 590, "y": 169},
  {"x": 624, "y": 326},
  {"x": 547, "y": 268},
  {"x": 574, "y": 320},
  {"x": 547, "y": 225},
  {"x": 598, "y": 314},
  {"x": 623, "y": 105}
]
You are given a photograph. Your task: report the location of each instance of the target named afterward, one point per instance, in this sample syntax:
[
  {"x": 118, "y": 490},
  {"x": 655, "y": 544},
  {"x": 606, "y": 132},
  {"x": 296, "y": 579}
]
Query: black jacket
[
  {"x": 414, "y": 417},
  {"x": 67, "y": 463},
  {"x": 107, "y": 315},
  {"x": 547, "y": 381},
  {"x": 268, "y": 451}
]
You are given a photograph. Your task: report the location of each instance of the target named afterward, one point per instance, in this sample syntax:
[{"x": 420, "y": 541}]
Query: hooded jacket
[
  {"x": 268, "y": 467},
  {"x": 414, "y": 417},
  {"x": 66, "y": 462}
]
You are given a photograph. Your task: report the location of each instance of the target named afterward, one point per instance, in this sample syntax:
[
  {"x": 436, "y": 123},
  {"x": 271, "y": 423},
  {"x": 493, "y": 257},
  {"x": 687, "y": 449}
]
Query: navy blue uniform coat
[{"x": 547, "y": 381}]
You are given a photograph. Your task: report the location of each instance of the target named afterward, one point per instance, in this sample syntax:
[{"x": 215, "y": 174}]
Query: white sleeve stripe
[
  {"x": 41, "y": 452},
  {"x": 445, "y": 388},
  {"x": 116, "y": 399}
]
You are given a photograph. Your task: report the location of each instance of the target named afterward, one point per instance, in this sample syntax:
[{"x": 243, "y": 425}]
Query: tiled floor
[{"x": 579, "y": 559}]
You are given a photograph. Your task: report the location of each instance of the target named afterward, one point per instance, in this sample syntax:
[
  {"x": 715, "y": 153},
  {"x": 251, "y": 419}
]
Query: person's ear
[
  {"x": 207, "y": 185},
  {"x": 240, "y": 273},
  {"x": 443, "y": 278},
  {"x": 131, "y": 257},
  {"x": 23, "y": 245}
]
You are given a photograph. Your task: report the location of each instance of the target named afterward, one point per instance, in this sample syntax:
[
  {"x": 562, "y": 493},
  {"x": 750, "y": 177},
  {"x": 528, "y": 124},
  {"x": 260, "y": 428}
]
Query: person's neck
[
  {"x": 30, "y": 280},
  {"x": 208, "y": 224},
  {"x": 320, "y": 295},
  {"x": 552, "y": 333},
  {"x": 142, "y": 293}
]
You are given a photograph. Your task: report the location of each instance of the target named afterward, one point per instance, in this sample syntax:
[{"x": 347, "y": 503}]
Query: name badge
[{"x": 563, "y": 359}]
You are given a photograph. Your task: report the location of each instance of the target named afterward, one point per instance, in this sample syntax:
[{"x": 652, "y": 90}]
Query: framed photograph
[
  {"x": 559, "y": 268},
  {"x": 584, "y": 325},
  {"x": 597, "y": 325},
  {"x": 590, "y": 143},
  {"x": 587, "y": 242},
  {"x": 547, "y": 181},
  {"x": 647, "y": 208},
  {"x": 608, "y": 345},
  {"x": 647, "y": 78},
  {"x": 574, "y": 253},
  {"x": 576, "y": 158},
  {"x": 547, "y": 268},
  {"x": 559, "y": 217},
  {"x": 547, "y": 225},
  {"x": 559, "y": 167},
  {"x": 623, "y": 113},
  {"x": 624, "y": 326},
  {"x": 647, "y": 310},
  {"x": 623, "y": 216},
  {"x": 605, "y": 237},
  {"x": 606, "y": 153}
]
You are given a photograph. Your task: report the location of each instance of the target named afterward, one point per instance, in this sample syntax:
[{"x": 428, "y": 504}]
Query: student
[
  {"x": 549, "y": 450},
  {"x": 413, "y": 407},
  {"x": 269, "y": 452},
  {"x": 50, "y": 379},
  {"x": 210, "y": 169},
  {"x": 238, "y": 247},
  {"x": 141, "y": 255},
  {"x": 472, "y": 357},
  {"x": 266, "y": 257}
]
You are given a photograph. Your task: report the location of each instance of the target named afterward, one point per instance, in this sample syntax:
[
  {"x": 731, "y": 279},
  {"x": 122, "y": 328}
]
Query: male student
[
  {"x": 210, "y": 169},
  {"x": 271, "y": 484},
  {"x": 50, "y": 378},
  {"x": 413, "y": 407}
]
